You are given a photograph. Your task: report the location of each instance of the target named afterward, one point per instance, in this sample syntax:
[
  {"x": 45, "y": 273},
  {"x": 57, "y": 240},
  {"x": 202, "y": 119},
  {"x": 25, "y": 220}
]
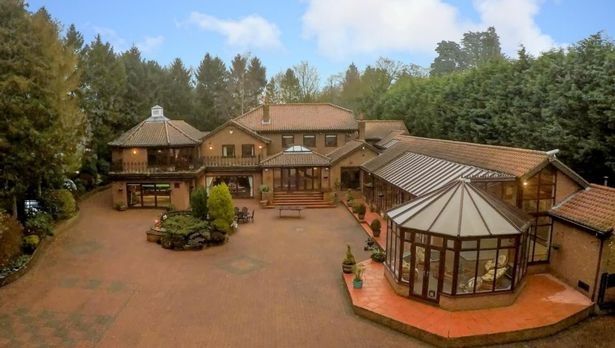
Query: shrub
[
  {"x": 10, "y": 238},
  {"x": 178, "y": 228},
  {"x": 198, "y": 202},
  {"x": 375, "y": 225},
  {"x": 379, "y": 255},
  {"x": 221, "y": 209},
  {"x": 359, "y": 209},
  {"x": 40, "y": 224},
  {"x": 30, "y": 243},
  {"x": 60, "y": 204}
]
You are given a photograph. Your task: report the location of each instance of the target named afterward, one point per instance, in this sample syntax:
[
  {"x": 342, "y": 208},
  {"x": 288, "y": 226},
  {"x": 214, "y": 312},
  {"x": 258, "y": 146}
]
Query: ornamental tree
[{"x": 220, "y": 205}]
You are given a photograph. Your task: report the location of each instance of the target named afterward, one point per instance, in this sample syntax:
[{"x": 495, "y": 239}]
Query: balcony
[
  {"x": 121, "y": 167},
  {"x": 220, "y": 161}
]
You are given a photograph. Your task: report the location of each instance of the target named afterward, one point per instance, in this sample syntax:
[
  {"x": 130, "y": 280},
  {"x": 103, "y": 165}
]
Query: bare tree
[{"x": 308, "y": 81}]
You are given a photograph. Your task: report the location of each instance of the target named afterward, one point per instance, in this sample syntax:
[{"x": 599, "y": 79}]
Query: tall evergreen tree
[
  {"x": 177, "y": 97},
  {"x": 42, "y": 124},
  {"x": 103, "y": 85},
  {"x": 256, "y": 80},
  {"x": 237, "y": 84},
  {"x": 290, "y": 90},
  {"x": 211, "y": 93}
]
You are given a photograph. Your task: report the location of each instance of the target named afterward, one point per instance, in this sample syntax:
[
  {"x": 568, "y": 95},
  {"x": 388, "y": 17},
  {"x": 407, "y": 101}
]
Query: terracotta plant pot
[{"x": 376, "y": 233}]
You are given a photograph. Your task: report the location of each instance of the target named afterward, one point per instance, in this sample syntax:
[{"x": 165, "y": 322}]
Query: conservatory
[{"x": 457, "y": 242}]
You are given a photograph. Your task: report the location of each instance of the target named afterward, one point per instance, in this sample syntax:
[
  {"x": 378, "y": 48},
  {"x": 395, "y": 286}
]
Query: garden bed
[{"x": 33, "y": 258}]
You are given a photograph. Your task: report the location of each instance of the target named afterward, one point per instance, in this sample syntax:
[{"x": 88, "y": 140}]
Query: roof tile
[
  {"x": 298, "y": 117},
  {"x": 593, "y": 207}
]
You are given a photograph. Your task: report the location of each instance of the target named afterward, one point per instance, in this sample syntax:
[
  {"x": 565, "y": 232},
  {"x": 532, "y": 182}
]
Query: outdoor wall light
[
  {"x": 230, "y": 131},
  {"x": 211, "y": 147},
  {"x": 134, "y": 152},
  {"x": 525, "y": 183},
  {"x": 260, "y": 147},
  {"x": 266, "y": 169}
]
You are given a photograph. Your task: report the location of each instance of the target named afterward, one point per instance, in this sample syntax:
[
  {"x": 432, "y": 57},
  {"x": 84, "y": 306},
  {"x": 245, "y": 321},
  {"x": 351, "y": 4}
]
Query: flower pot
[
  {"x": 347, "y": 267},
  {"x": 376, "y": 233},
  {"x": 361, "y": 217},
  {"x": 357, "y": 284}
]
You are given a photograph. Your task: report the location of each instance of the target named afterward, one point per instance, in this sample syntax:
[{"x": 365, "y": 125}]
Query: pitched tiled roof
[
  {"x": 389, "y": 139},
  {"x": 159, "y": 131},
  {"x": 593, "y": 207},
  {"x": 348, "y": 148},
  {"x": 510, "y": 160},
  {"x": 419, "y": 174},
  {"x": 296, "y": 159},
  {"x": 300, "y": 117},
  {"x": 240, "y": 126},
  {"x": 378, "y": 129}
]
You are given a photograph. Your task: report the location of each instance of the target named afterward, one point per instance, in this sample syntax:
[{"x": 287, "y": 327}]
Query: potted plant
[
  {"x": 360, "y": 210},
  {"x": 265, "y": 195},
  {"x": 357, "y": 281},
  {"x": 379, "y": 255},
  {"x": 349, "y": 261},
  {"x": 375, "y": 226},
  {"x": 349, "y": 197},
  {"x": 120, "y": 207}
]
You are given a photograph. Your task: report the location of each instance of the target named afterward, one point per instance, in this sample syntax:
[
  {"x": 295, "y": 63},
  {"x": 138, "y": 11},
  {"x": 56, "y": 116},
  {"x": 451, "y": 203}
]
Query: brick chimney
[
  {"x": 266, "y": 116},
  {"x": 361, "y": 122}
]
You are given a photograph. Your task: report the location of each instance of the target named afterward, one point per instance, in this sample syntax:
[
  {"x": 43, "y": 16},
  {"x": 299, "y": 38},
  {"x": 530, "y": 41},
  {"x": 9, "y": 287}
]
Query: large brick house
[
  {"x": 466, "y": 222},
  {"x": 312, "y": 148}
]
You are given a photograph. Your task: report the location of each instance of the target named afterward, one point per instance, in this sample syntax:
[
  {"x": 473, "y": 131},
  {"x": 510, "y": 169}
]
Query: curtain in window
[
  {"x": 209, "y": 181},
  {"x": 251, "y": 180}
]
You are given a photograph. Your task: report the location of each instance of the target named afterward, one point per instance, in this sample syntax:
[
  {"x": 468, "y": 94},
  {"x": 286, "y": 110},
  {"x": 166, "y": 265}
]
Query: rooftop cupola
[{"x": 157, "y": 114}]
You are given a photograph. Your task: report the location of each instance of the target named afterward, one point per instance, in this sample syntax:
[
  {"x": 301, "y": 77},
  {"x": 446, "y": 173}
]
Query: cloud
[
  {"x": 346, "y": 27},
  {"x": 249, "y": 32},
  {"x": 111, "y": 36},
  {"x": 150, "y": 43},
  {"x": 515, "y": 24}
]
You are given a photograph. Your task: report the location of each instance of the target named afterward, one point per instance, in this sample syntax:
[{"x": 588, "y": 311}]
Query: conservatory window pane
[
  {"x": 406, "y": 262},
  {"x": 486, "y": 270},
  {"x": 449, "y": 270},
  {"x": 504, "y": 269},
  {"x": 489, "y": 243},
  {"x": 469, "y": 244},
  {"x": 437, "y": 241},
  {"x": 466, "y": 273},
  {"x": 507, "y": 242}
]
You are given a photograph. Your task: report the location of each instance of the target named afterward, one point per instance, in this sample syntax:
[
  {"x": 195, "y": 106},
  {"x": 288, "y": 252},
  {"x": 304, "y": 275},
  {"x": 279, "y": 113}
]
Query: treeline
[{"x": 564, "y": 99}]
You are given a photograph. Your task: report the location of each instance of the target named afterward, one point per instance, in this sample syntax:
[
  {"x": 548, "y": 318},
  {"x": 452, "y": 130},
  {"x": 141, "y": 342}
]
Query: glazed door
[{"x": 426, "y": 279}]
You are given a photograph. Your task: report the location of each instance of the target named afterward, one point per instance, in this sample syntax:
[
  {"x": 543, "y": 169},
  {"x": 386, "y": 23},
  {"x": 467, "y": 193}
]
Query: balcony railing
[
  {"x": 183, "y": 166},
  {"x": 220, "y": 161},
  {"x": 146, "y": 168}
]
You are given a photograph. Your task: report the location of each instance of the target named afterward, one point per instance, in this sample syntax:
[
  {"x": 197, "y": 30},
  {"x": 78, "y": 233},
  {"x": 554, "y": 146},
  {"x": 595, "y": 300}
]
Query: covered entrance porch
[{"x": 297, "y": 169}]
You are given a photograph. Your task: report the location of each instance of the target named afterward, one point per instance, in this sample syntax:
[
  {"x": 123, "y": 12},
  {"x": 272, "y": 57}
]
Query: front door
[
  {"x": 426, "y": 261},
  {"x": 299, "y": 179}
]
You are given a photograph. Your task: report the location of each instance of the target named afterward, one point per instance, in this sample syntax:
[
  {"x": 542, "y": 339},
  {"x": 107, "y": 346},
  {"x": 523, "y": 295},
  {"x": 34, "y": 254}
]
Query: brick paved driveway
[{"x": 276, "y": 284}]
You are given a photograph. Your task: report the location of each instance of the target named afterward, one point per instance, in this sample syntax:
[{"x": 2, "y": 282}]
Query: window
[
  {"x": 288, "y": 141},
  {"x": 330, "y": 140},
  {"x": 228, "y": 150},
  {"x": 538, "y": 196},
  {"x": 247, "y": 150},
  {"x": 309, "y": 140}
]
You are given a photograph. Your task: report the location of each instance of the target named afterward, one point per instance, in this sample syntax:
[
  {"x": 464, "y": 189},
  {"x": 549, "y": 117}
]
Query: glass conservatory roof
[{"x": 462, "y": 210}]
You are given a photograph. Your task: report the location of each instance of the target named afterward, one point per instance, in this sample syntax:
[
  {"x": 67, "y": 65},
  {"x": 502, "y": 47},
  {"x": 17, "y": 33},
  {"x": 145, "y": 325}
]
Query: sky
[{"x": 329, "y": 34}]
